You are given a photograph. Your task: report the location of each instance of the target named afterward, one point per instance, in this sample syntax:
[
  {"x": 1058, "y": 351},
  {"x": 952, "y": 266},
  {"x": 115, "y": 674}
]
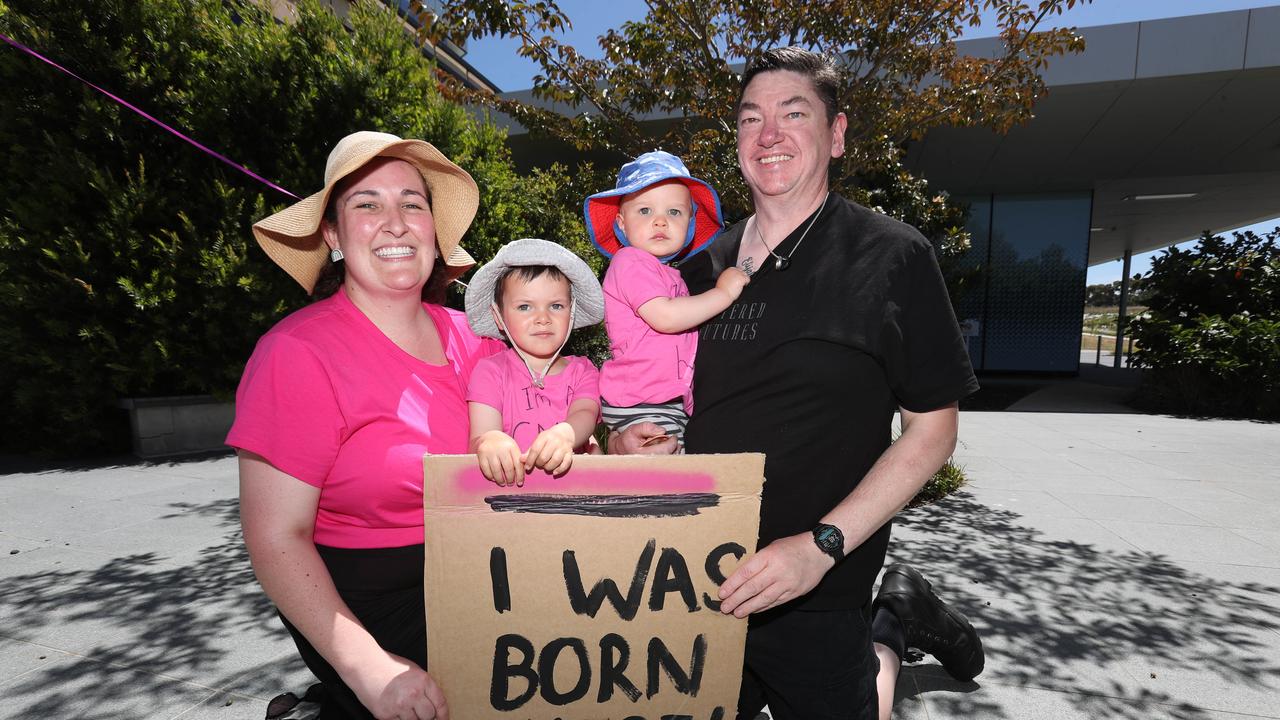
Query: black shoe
[{"x": 929, "y": 623}]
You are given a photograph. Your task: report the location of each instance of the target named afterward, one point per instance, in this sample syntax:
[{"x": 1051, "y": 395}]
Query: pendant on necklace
[{"x": 781, "y": 263}]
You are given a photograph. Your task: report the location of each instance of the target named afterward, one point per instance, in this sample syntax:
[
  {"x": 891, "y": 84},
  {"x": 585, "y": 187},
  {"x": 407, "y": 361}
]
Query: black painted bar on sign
[{"x": 675, "y": 505}]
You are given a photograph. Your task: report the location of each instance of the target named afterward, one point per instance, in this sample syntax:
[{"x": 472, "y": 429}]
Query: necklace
[{"x": 781, "y": 263}]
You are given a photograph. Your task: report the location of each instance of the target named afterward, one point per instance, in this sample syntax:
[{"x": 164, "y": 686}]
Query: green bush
[
  {"x": 1210, "y": 339},
  {"x": 949, "y": 478},
  {"x": 126, "y": 263}
]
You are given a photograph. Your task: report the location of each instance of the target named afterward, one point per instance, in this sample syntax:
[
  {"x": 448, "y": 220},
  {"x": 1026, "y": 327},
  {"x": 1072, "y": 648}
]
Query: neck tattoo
[{"x": 780, "y": 262}]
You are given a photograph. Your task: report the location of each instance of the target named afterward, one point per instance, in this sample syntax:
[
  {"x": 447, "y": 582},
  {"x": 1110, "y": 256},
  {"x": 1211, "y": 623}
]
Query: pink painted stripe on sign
[
  {"x": 594, "y": 481},
  {"x": 144, "y": 114}
]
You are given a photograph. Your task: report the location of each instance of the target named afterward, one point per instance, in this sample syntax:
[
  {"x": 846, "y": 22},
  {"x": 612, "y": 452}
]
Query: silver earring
[{"x": 335, "y": 255}]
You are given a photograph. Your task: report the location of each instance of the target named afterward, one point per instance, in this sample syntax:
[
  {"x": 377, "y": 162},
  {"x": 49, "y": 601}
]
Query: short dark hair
[
  {"x": 822, "y": 69},
  {"x": 527, "y": 273}
]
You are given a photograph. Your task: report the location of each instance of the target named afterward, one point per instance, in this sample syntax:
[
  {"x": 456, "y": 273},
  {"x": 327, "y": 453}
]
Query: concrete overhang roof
[{"x": 1174, "y": 106}]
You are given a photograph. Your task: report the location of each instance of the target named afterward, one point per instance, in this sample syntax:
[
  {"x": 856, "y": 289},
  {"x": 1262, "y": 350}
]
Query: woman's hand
[
  {"x": 499, "y": 457},
  {"x": 393, "y": 688},
  {"x": 552, "y": 450}
]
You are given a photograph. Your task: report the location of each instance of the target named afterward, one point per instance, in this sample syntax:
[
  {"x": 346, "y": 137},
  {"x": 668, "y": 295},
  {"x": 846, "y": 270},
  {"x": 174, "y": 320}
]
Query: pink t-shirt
[
  {"x": 647, "y": 366},
  {"x": 330, "y": 400},
  {"x": 502, "y": 382}
]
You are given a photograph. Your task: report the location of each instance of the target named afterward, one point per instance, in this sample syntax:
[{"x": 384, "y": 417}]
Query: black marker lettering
[
  {"x": 615, "y": 653},
  {"x": 589, "y": 605},
  {"x": 685, "y": 683},
  {"x": 498, "y": 577},
  {"x": 672, "y": 575},
  {"x": 503, "y": 671},
  {"x": 713, "y": 568},
  {"x": 547, "y": 670}
]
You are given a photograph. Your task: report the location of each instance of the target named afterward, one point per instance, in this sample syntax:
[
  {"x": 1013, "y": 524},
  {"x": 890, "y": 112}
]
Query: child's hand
[
  {"x": 499, "y": 457},
  {"x": 732, "y": 280},
  {"x": 552, "y": 450}
]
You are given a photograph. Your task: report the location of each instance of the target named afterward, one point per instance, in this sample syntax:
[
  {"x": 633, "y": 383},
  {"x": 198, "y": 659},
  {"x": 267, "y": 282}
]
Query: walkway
[{"x": 1117, "y": 565}]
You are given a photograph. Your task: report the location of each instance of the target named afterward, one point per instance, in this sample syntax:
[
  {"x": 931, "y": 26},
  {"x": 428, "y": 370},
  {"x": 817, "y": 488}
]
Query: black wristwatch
[{"x": 829, "y": 540}]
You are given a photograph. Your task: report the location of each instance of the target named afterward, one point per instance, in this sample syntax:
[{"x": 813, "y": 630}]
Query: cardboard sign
[{"x": 591, "y": 595}]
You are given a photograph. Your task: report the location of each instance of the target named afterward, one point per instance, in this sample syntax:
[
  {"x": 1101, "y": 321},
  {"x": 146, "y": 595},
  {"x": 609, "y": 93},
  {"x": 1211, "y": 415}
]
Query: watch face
[{"x": 828, "y": 537}]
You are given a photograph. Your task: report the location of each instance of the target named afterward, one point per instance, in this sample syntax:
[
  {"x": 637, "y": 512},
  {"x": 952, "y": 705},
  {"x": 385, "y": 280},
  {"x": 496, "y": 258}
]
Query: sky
[{"x": 497, "y": 60}]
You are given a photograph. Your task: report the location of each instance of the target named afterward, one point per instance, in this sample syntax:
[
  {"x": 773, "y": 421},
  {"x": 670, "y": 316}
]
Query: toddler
[
  {"x": 656, "y": 214},
  {"x": 529, "y": 407}
]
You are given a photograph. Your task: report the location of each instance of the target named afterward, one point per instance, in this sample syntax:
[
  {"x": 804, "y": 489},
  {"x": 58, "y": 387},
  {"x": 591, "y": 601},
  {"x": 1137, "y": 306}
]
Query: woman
[{"x": 338, "y": 405}]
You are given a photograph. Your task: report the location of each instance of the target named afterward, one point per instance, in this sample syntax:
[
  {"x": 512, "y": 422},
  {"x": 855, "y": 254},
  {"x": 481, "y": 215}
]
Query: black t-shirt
[{"x": 810, "y": 363}]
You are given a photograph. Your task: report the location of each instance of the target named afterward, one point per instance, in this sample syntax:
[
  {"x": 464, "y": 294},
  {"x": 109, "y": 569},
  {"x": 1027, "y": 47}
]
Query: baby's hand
[
  {"x": 552, "y": 450},
  {"x": 499, "y": 457},
  {"x": 732, "y": 280}
]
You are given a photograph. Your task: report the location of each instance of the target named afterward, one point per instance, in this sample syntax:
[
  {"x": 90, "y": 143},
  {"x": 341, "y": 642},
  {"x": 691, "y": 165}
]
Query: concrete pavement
[{"x": 1118, "y": 565}]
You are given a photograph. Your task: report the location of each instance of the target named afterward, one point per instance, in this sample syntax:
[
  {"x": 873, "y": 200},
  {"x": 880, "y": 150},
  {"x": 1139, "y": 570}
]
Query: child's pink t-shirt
[
  {"x": 502, "y": 382},
  {"x": 330, "y": 400},
  {"x": 647, "y": 366}
]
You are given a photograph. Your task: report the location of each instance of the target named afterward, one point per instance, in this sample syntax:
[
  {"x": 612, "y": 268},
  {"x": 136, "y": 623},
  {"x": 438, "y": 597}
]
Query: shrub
[
  {"x": 1211, "y": 336},
  {"x": 126, "y": 263},
  {"x": 949, "y": 478}
]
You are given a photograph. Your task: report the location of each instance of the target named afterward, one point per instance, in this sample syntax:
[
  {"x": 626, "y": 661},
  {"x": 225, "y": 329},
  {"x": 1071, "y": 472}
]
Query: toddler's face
[
  {"x": 656, "y": 219},
  {"x": 536, "y": 313}
]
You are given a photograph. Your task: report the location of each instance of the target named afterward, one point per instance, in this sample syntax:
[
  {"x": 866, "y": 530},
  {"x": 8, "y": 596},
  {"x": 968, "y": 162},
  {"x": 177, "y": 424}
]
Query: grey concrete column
[{"x": 1124, "y": 307}]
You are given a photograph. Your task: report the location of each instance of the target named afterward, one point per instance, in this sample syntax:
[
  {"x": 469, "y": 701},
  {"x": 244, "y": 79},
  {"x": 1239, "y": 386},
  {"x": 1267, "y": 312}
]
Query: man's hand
[
  {"x": 643, "y": 438},
  {"x": 783, "y": 570}
]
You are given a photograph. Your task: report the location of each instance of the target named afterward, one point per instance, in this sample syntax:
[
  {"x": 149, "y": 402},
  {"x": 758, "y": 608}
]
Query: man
[{"x": 846, "y": 318}]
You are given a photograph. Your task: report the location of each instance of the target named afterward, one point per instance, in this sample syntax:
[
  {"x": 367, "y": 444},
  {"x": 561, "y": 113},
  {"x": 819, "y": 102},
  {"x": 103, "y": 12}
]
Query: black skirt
[{"x": 383, "y": 588}]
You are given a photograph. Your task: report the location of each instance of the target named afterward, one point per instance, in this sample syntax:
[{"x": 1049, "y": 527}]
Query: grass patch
[{"x": 949, "y": 478}]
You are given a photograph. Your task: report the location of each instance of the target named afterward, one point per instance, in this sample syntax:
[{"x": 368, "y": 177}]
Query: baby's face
[
  {"x": 656, "y": 219},
  {"x": 536, "y": 313}
]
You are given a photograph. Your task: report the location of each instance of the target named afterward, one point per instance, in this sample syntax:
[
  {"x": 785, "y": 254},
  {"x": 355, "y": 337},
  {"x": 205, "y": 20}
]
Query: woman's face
[{"x": 385, "y": 230}]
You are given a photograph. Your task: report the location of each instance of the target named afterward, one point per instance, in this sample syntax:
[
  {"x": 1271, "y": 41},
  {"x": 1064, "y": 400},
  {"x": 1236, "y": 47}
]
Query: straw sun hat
[{"x": 292, "y": 236}]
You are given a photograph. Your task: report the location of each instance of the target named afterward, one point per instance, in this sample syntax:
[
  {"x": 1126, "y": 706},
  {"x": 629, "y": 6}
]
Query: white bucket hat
[{"x": 587, "y": 299}]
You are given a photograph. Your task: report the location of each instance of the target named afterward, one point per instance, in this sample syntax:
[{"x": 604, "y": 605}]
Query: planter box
[{"x": 180, "y": 425}]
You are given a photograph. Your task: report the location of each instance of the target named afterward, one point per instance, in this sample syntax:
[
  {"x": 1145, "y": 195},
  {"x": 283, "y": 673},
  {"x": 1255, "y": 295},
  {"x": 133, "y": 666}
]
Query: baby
[
  {"x": 530, "y": 407},
  {"x": 657, "y": 213}
]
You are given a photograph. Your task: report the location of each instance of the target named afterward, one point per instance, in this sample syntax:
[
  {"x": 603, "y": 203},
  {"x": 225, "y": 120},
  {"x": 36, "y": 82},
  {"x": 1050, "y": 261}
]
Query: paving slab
[
  {"x": 1128, "y": 507},
  {"x": 19, "y": 658},
  {"x": 81, "y": 688},
  {"x": 1186, "y": 542}
]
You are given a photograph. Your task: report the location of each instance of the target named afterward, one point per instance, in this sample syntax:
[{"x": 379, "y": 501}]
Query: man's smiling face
[{"x": 784, "y": 139}]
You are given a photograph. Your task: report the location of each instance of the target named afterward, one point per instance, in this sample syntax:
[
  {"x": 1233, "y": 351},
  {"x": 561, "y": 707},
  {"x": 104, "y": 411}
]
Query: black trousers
[
  {"x": 810, "y": 665},
  {"x": 383, "y": 588}
]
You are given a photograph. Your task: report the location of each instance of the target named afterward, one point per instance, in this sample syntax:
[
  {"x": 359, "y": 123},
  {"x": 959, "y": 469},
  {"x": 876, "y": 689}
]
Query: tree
[
  {"x": 1210, "y": 338},
  {"x": 904, "y": 76},
  {"x": 1108, "y": 294},
  {"x": 126, "y": 263}
]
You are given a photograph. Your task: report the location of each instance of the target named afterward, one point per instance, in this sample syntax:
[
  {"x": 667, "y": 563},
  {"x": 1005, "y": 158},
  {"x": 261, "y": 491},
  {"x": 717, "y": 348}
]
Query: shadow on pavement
[
  {"x": 1090, "y": 623},
  {"x": 188, "y": 622}
]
